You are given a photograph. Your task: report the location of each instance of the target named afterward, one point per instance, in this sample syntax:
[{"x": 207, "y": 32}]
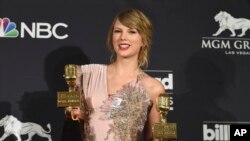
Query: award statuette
[
  {"x": 164, "y": 131},
  {"x": 71, "y": 98}
]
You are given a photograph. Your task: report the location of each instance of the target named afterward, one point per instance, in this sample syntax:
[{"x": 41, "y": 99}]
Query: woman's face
[{"x": 127, "y": 42}]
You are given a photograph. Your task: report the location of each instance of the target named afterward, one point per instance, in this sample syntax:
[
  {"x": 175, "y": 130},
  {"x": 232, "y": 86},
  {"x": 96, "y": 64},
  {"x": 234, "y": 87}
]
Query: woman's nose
[{"x": 123, "y": 36}]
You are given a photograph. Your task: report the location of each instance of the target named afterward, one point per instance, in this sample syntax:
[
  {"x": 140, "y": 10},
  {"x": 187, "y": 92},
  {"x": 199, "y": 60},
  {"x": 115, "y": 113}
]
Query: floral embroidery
[{"x": 128, "y": 109}]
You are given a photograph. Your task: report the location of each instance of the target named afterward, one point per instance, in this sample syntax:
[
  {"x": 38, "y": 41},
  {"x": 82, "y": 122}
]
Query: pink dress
[{"x": 119, "y": 117}]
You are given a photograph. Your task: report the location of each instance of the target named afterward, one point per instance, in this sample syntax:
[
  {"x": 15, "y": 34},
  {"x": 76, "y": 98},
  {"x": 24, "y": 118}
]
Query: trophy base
[
  {"x": 66, "y": 99},
  {"x": 165, "y": 131}
]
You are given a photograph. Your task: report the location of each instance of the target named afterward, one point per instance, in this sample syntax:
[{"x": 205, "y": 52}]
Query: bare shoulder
[{"x": 153, "y": 86}]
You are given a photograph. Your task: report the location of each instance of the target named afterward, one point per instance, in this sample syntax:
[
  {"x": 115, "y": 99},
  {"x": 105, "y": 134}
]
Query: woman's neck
[{"x": 125, "y": 67}]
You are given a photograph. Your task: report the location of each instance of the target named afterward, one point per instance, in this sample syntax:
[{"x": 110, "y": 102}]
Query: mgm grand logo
[
  {"x": 12, "y": 126},
  {"x": 236, "y": 42}
]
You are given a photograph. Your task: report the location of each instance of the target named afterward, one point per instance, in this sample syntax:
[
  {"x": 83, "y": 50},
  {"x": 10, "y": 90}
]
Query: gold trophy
[
  {"x": 164, "y": 131},
  {"x": 69, "y": 99}
]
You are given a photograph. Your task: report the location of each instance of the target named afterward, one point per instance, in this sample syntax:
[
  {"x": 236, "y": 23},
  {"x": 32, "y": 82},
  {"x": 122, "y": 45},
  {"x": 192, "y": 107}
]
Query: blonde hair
[{"x": 134, "y": 18}]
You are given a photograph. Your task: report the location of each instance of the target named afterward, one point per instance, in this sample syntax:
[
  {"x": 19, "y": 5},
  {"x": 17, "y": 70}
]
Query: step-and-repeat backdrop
[{"x": 200, "y": 53}]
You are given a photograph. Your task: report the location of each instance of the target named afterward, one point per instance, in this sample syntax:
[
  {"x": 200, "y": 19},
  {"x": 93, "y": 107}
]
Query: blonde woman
[{"x": 121, "y": 97}]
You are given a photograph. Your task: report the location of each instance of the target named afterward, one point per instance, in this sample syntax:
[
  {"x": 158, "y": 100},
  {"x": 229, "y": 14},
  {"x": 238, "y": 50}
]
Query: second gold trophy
[
  {"x": 72, "y": 98},
  {"x": 164, "y": 131}
]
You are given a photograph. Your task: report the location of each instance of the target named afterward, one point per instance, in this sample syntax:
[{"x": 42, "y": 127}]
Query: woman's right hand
[{"x": 73, "y": 112}]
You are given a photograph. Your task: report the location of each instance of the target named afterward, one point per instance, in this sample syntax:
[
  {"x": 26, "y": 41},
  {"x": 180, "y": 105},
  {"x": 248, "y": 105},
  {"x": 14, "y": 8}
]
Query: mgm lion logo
[
  {"x": 226, "y": 21},
  {"x": 13, "y": 126}
]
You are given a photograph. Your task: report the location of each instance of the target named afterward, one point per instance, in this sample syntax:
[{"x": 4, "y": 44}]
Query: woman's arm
[{"x": 154, "y": 90}]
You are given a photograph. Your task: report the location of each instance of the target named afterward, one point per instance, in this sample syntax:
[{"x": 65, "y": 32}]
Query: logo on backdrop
[
  {"x": 13, "y": 126},
  {"x": 166, "y": 78},
  {"x": 228, "y": 22},
  {"x": 7, "y": 28},
  {"x": 225, "y": 131},
  {"x": 35, "y": 30},
  {"x": 234, "y": 31}
]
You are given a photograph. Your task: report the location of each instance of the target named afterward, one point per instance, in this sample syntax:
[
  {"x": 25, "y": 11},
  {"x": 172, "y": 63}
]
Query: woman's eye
[
  {"x": 132, "y": 32},
  {"x": 117, "y": 31}
]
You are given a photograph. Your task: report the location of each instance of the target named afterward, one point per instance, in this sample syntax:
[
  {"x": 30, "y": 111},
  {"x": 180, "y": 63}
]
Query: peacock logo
[{"x": 8, "y": 29}]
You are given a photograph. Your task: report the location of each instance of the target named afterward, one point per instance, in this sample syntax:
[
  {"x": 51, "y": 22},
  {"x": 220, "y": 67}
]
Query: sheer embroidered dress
[{"x": 119, "y": 117}]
